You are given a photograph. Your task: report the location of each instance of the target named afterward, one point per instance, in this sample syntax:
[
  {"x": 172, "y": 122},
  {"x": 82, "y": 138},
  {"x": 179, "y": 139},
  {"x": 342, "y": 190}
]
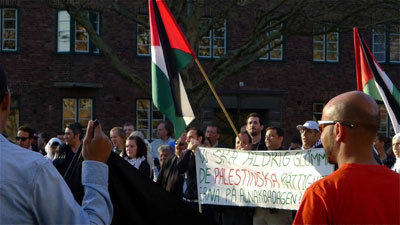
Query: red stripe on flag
[
  {"x": 155, "y": 41},
  {"x": 175, "y": 34},
  {"x": 363, "y": 70}
]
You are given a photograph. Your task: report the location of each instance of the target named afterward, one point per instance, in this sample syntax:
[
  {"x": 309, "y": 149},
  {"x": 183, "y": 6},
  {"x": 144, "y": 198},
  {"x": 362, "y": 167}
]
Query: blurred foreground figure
[{"x": 33, "y": 191}]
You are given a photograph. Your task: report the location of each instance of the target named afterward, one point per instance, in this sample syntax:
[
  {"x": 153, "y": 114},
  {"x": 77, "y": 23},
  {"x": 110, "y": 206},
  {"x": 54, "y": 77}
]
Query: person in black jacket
[
  {"x": 170, "y": 178},
  {"x": 69, "y": 154}
]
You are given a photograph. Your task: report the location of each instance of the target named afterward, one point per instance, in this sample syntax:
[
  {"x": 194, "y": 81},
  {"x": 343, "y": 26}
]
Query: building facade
[{"x": 57, "y": 75}]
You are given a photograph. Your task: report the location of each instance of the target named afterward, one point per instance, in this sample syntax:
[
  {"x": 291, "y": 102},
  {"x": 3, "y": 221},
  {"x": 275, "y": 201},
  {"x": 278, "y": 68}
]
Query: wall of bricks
[{"x": 34, "y": 69}]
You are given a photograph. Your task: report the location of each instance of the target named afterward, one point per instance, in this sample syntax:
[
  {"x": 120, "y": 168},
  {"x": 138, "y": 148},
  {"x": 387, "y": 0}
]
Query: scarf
[{"x": 135, "y": 161}]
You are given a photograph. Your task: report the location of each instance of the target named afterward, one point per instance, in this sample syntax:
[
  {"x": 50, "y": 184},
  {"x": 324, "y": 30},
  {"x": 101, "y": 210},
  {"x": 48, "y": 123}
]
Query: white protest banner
[{"x": 270, "y": 179}]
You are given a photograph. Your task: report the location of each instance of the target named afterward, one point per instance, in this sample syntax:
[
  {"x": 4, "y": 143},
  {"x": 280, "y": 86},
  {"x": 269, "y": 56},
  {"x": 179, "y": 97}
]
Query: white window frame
[
  {"x": 96, "y": 25},
  {"x": 77, "y": 107},
  {"x": 211, "y": 40},
  {"x": 72, "y": 28},
  {"x": 149, "y": 130},
  {"x": 140, "y": 36},
  {"x": 397, "y": 44},
  {"x": 376, "y": 44},
  {"x": 3, "y": 30},
  {"x": 267, "y": 56},
  {"x": 61, "y": 31},
  {"x": 209, "y": 46},
  {"x": 85, "y": 33},
  {"x": 214, "y": 38},
  {"x": 325, "y": 44}
]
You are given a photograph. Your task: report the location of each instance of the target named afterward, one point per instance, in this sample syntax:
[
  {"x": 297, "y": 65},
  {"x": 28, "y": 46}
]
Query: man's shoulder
[
  {"x": 18, "y": 158},
  {"x": 13, "y": 150},
  {"x": 349, "y": 174}
]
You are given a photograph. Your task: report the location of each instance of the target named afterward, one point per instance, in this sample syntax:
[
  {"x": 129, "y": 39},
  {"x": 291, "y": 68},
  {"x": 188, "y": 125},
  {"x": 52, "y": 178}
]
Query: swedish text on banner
[{"x": 269, "y": 179}]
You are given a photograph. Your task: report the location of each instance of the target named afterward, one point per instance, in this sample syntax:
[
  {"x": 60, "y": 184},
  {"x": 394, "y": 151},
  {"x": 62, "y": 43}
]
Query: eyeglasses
[
  {"x": 21, "y": 138},
  {"x": 323, "y": 123}
]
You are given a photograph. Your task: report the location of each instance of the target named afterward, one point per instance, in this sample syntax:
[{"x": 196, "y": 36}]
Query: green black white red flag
[
  {"x": 170, "y": 53},
  {"x": 372, "y": 80}
]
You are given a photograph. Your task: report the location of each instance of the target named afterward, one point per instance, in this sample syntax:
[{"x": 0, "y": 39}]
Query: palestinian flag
[
  {"x": 372, "y": 80},
  {"x": 170, "y": 53}
]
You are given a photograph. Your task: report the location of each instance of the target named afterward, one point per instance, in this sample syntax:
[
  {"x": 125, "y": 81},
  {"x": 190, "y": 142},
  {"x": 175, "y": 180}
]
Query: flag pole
[{"x": 216, "y": 96}]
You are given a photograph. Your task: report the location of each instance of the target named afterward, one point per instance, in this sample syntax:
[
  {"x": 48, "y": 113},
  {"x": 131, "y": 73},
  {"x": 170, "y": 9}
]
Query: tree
[{"x": 276, "y": 17}]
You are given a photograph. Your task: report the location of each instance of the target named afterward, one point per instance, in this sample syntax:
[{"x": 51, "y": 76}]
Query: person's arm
[
  {"x": 313, "y": 208},
  {"x": 185, "y": 158},
  {"x": 53, "y": 202}
]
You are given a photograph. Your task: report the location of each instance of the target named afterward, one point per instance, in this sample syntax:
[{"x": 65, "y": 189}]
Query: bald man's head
[
  {"x": 354, "y": 107},
  {"x": 349, "y": 137}
]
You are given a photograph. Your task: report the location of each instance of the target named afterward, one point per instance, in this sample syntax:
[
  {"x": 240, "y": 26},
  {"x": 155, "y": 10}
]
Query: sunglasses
[
  {"x": 323, "y": 123},
  {"x": 21, "y": 138}
]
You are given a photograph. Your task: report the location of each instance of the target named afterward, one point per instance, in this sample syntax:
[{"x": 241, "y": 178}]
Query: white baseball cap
[{"x": 312, "y": 125}]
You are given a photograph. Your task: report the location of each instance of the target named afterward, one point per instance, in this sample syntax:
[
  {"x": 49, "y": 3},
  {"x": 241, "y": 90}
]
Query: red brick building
[{"x": 56, "y": 75}]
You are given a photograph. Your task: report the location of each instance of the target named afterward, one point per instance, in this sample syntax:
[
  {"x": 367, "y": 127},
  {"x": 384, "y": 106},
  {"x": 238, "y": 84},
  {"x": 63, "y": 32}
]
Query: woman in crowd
[
  {"x": 117, "y": 135},
  {"x": 149, "y": 158},
  {"x": 135, "y": 153},
  {"x": 51, "y": 147},
  {"x": 381, "y": 144},
  {"x": 396, "y": 151}
]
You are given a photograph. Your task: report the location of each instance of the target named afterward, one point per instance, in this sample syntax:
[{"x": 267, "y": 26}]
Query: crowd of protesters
[
  {"x": 171, "y": 164},
  {"x": 347, "y": 132}
]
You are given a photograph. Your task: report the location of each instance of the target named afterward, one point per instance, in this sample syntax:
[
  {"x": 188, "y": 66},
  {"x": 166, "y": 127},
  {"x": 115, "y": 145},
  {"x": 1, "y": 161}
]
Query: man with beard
[
  {"x": 353, "y": 193},
  {"x": 68, "y": 153},
  {"x": 254, "y": 127}
]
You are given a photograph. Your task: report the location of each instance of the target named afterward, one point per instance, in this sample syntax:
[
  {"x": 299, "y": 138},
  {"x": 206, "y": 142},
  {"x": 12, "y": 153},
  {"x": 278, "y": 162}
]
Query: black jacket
[{"x": 138, "y": 200}]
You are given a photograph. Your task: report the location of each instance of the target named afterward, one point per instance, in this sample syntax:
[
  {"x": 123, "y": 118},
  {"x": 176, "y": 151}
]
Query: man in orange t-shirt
[{"x": 360, "y": 191}]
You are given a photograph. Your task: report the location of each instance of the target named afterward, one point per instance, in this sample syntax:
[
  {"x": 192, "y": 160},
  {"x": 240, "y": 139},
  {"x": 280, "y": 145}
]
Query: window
[
  {"x": 379, "y": 43},
  {"x": 77, "y": 110},
  {"x": 9, "y": 30},
  {"x": 147, "y": 118},
  {"x": 213, "y": 44},
  {"x": 317, "y": 111},
  {"x": 386, "y": 43},
  {"x": 72, "y": 37},
  {"x": 385, "y": 126},
  {"x": 12, "y": 122},
  {"x": 142, "y": 38},
  {"x": 394, "y": 40},
  {"x": 326, "y": 47},
  {"x": 277, "y": 49}
]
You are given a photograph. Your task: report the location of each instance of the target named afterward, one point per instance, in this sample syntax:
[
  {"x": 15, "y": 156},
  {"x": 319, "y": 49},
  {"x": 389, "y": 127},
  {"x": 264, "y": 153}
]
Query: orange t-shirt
[{"x": 354, "y": 194}]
